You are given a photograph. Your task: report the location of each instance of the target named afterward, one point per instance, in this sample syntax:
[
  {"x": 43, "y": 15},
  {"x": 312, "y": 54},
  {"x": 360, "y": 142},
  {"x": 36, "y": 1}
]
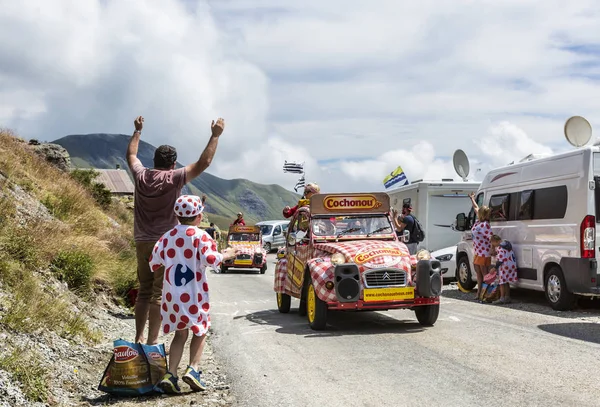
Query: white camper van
[
  {"x": 547, "y": 207},
  {"x": 435, "y": 204}
]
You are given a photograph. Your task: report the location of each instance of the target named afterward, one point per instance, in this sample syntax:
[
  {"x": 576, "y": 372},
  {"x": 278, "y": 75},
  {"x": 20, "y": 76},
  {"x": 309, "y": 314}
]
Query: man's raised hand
[
  {"x": 218, "y": 127},
  {"x": 138, "y": 123}
]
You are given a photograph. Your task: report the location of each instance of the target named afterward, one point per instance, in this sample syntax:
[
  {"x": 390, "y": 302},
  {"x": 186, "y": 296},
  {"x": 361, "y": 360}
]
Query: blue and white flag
[
  {"x": 295, "y": 168},
  {"x": 395, "y": 177},
  {"x": 300, "y": 184}
]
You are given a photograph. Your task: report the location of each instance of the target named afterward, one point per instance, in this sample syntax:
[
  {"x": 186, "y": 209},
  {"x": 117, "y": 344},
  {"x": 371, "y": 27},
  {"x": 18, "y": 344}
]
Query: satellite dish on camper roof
[
  {"x": 461, "y": 164},
  {"x": 578, "y": 131}
]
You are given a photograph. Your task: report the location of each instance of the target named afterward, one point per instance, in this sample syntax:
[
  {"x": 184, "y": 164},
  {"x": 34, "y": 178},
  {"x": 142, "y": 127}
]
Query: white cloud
[{"x": 359, "y": 87}]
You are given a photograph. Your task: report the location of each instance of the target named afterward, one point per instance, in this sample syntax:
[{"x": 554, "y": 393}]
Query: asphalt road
[{"x": 522, "y": 354}]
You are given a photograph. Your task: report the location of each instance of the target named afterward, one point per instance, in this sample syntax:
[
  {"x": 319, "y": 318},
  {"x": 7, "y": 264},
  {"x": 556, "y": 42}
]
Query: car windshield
[
  {"x": 266, "y": 229},
  {"x": 243, "y": 237},
  {"x": 351, "y": 226}
]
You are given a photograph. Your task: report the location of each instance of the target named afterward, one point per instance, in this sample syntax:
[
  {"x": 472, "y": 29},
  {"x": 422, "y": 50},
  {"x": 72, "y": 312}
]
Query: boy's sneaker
[
  {"x": 169, "y": 384},
  {"x": 499, "y": 301},
  {"x": 192, "y": 378}
]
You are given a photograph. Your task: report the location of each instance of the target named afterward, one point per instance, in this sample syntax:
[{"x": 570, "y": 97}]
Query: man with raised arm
[{"x": 156, "y": 190}]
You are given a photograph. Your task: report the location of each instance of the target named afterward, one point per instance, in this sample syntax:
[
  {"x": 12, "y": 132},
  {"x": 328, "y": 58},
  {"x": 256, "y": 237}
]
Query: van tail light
[{"x": 588, "y": 237}]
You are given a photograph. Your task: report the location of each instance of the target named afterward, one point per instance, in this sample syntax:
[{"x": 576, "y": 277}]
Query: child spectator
[
  {"x": 506, "y": 267},
  {"x": 185, "y": 251}
]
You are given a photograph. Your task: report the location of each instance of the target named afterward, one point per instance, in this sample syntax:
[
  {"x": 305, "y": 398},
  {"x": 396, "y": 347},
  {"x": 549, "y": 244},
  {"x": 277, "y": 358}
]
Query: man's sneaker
[
  {"x": 192, "y": 378},
  {"x": 169, "y": 384}
]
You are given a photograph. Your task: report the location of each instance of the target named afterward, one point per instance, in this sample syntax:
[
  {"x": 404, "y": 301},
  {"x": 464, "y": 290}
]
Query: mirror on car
[
  {"x": 461, "y": 222},
  {"x": 405, "y": 236},
  {"x": 301, "y": 234}
]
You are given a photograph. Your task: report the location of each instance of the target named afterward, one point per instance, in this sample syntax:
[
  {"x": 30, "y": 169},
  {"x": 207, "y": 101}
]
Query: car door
[
  {"x": 293, "y": 270},
  {"x": 278, "y": 239},
  {"x": 302, "y": 248}
]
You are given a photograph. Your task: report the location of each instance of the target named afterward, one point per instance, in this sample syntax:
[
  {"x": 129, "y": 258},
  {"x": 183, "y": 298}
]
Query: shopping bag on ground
[{"x": 134, "y": 369}]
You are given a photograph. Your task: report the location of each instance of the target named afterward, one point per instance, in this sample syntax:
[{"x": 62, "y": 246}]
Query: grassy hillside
[
  {"x": 60, "y": 251},
  {"x": 225, "y": 197}
]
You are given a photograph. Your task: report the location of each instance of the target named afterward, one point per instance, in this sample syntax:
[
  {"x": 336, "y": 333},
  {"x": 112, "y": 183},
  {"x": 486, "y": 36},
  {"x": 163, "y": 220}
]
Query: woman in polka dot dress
[
  {"x": 506, "y": 267},
  {"x": 482, "y": 233},
  {"x": 185, "y": 252}
]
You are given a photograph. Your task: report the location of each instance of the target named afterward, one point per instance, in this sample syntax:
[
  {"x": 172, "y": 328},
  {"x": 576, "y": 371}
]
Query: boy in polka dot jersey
[
  {"x": 185, "y": 252},
  {"x": 506, "y": 267}
]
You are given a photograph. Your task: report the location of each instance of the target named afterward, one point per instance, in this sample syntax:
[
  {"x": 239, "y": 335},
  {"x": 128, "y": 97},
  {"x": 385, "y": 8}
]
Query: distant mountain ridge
[{"x": 225, "y": 197}]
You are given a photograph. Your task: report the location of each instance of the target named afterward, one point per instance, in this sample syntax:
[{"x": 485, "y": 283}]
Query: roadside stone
[{"x": 53, "y": 153}]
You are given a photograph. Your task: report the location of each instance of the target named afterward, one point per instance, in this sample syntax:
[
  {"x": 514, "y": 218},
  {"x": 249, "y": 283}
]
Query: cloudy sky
[{"x": 352, "y": 88}]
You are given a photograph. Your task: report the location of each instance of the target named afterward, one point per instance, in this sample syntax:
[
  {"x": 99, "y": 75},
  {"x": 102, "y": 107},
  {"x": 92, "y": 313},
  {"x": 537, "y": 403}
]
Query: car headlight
[
  {"x": 445, "y": 257},
  {"x": 338, "y": 258},
  {"x": 423, "y": 255}
]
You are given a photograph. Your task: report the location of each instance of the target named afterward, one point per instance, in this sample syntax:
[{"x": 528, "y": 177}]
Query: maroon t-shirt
[{"x": 155, "y": 195}]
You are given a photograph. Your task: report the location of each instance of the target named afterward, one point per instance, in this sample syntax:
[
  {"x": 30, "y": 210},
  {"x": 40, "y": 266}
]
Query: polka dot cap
[{"x": 188, "y": 206}]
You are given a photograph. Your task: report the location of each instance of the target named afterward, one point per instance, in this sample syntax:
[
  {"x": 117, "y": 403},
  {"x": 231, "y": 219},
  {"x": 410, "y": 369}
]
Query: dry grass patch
[
  {"x": 23, "y": 364},
  {"x": 82, "y": 246},
  {"x": 32, "y": 308}
]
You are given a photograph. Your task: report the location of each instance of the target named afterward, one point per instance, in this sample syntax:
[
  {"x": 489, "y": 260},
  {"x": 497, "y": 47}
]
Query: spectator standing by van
[
  {"x": 482, "y": 246},
  {"x": 506, "y": 267},
  {"x": 156, "y": 190},
  {"x": 406, "y": 221}
]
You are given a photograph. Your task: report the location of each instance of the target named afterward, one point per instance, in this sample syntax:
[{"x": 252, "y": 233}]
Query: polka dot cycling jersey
[
  {"x": 507, "y": 271},
  {"x": 185, "y": 252},
  {"x": 482, "y": 233}
]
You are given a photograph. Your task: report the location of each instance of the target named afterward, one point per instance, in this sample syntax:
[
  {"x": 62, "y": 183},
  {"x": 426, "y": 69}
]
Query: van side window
[
  {"x": 499, "y": 204},
  {"x": 277, "y": 231},
  {"x": 550, "y": 203},
  {"x": 530, "y": 204},
  {"x": 526, "y": 200}
]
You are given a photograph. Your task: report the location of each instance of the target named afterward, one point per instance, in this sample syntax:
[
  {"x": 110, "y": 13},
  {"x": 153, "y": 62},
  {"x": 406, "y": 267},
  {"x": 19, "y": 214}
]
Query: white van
[
  {"x": 547, "y": 208},
  {"x": 435, "y": 204},
  {"x": 273, "y": 233}
]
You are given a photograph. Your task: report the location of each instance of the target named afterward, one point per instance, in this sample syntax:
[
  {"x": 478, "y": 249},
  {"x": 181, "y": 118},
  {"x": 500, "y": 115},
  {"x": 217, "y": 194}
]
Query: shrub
[
  {"x": 86, "y": 178},
  {"x": 20, "y": 245},
  {"x": 75, "y": 268}
]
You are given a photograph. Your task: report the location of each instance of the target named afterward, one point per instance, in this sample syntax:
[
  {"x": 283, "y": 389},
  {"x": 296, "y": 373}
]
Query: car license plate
[
  {"x": 388, "y": 294},
  {"x": 243, "y": 262}
]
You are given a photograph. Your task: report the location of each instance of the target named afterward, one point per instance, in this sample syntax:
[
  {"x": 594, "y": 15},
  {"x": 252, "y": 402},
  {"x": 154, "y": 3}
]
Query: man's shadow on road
[{"x": 339, "y": 323}]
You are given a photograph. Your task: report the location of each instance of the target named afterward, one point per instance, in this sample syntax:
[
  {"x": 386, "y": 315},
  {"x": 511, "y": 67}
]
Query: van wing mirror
[
  {"x": 405, "y": 236},
  {"x": 461, "y": 222}
]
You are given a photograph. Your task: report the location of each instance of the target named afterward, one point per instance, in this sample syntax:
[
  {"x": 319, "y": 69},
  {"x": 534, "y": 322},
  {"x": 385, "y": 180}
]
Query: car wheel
[
  {"x": 267, "y": 247},
  {"x": 224, "y": 269},
  {"x": 316, "y": 309},
  {"x": 263, "y": 269},
  {"x": 284, "y": 302},
  {"x": 427, "y": 314},
  {"x": 556, "y": 291},
  {"x": 464, "y": 277}
]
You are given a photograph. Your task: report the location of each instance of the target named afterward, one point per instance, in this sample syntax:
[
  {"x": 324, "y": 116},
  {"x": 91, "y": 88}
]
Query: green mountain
[{"x": 225, "y": 197}]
